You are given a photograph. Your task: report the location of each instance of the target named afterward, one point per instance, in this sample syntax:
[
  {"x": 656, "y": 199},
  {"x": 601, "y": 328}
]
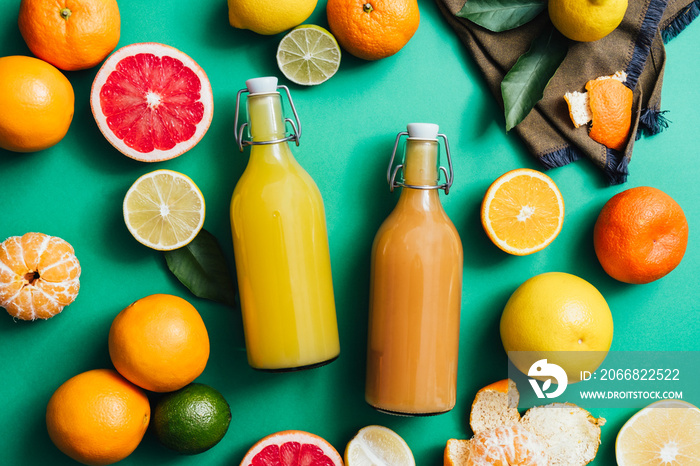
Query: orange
[
  {"x": 611, "y": 112},
  {"x": 641, "y": 235},
  {"x": 37, "y": 104},
  {"x": 501, "y": 446},
  {"x": 522, "y": 211},
  {"x": 373, "y": 29},
  {"x": 97, "y": 417},
  {"x": 159, "y": 343},
  {"x": 39, "y": 275},
  {"x": 70, "y": 34}
]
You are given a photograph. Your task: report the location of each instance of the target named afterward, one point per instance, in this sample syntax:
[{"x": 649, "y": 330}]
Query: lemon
[
  {"x": 308, "y": 55},
  {"x": 378, "y": 446},
  {"x": 164, "y": 210},
  {"x": 269, "y": 16},
  {"x": 586, "y": 20},
  {"x": 665, "y": 432},
  {"x": 559, "y": 317}
]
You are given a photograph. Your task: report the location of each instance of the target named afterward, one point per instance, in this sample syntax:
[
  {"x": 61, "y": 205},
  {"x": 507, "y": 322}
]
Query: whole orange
[
  {"x": 70, "y": 34},
  {"x": 373, "y": 29},
  {"x": 641, "y": 235},
  {"x": 159, "y": 343},
  {"x": 36, "y": 103},
  {"x": 97, "y": 417}
]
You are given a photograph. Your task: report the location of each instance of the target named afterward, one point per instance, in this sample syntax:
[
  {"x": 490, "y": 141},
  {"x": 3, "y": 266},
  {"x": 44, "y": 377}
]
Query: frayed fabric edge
[
  {"x": 651, "y": 121},
  {"x": 559, "y": 157},
  {"x": 681, "y": 21},
  {"x": 616, "y": 167}
]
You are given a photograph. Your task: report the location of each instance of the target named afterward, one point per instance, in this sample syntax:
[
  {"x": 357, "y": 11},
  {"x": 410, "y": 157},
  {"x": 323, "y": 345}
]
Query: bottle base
[
  {"x": 409, "y": 414},
  {"x": 298, "y": 368}
]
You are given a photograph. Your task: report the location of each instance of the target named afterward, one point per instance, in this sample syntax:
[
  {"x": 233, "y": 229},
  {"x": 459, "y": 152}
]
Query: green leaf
[
  {"x": 526, "y": 81},
  {"x": 501, "y": 15},
  {"x": 201, "y": 267}
]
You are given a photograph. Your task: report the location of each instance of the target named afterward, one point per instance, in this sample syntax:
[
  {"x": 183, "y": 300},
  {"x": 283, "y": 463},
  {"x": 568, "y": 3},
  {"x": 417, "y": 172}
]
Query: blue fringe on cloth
[
  {"x": 647, "y": 32},
  {"x": 682, "y": 19}
]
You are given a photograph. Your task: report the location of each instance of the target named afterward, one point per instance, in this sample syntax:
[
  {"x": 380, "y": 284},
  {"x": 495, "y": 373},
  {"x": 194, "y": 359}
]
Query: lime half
[{"x": 308, "y": 55}]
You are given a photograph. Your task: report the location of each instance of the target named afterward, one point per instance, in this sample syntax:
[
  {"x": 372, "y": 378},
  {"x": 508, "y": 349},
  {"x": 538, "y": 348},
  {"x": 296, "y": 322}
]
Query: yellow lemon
[
  {"x": 559, "y": 317},
  {"x": 269, "y": 16},
  {"x": 586, "y": 20}
]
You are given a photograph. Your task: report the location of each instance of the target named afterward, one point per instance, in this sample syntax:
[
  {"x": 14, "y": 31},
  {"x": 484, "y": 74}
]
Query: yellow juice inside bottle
[
  {"x": 281, "y": 249},
  {"x": 415, "y": 298}
]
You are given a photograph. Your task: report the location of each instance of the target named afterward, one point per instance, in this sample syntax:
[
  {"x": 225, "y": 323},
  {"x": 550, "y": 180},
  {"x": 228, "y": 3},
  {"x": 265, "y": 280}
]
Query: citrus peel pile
[
  {"x": 607, "y": 105},
  {"x": 555, "y": 434}
]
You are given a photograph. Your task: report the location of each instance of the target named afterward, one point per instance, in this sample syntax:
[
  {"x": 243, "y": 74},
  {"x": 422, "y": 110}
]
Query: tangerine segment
[
  {"x": 504, "y": 446},
  {"x": 291, "y": 448},
  {"x": 610, "y": 102},
  {"x": 665, "y": 432},
  {"x": 522, "y": 211},
  {"x": 151, "y": 101},
  {"x": 39, "y": 275}
]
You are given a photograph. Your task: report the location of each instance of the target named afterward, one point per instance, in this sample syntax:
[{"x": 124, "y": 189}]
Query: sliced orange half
[
  {"x": 522, "y": 211},
  {"x": 665, "y": 432}
]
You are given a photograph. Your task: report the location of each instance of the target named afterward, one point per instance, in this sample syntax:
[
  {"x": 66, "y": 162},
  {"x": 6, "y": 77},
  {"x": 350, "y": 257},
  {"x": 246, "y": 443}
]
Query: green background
[{"x": 75, "y": 190}]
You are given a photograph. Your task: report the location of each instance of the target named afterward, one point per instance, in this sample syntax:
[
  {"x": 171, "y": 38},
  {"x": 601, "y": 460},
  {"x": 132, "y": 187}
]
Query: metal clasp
[
  {"x": 239, "y": 131},
  {"x": 392, "y": 174}
]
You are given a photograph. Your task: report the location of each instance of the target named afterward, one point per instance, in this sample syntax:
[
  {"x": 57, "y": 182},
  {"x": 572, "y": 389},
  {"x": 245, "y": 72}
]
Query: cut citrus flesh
[
  {"x": 522, "y": 211},
  {"x": 308, "y": 55},
  {"x": 378, "y": 446},
  {"x": 665, "y": 432},
  {"x": 292, "y": 448},
  {"x": 151, "y": 101},
  {"x": 164, "y": 210}
]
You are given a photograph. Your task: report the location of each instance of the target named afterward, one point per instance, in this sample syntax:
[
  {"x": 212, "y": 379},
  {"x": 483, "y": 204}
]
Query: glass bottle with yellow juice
[
  {"x": 415, "y": 288},
  {"x": 280, "y": 244}
]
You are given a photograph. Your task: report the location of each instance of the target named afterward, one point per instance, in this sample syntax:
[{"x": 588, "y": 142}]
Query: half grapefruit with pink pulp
[
  {"x": 151, "y": 101},
  {"x": 292, "y": 448}
]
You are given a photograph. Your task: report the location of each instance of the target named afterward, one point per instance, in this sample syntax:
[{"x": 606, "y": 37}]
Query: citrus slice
[
  {"x": 151, "y": 101},
  {"x": 164, "y": 210},
  {"x": 308, "y": 55},
  {"x": 665, "y": 432},
  {"x": 378, "y": 446},
  {"x": 522, "y": 211},
  {"x": 291, "y": 448}
]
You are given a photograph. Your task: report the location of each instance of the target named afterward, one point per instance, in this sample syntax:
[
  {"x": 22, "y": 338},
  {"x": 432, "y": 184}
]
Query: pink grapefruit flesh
[
  {"x": 292, "y": 448},
  {"x": 151, "y": 101}
]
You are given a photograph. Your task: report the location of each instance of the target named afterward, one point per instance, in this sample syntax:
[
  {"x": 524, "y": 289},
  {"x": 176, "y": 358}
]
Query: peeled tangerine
[
  {"x": 607, "y": 105},
  {"x": 556, "y": 434},
  {"x": 39, "y": 275}
]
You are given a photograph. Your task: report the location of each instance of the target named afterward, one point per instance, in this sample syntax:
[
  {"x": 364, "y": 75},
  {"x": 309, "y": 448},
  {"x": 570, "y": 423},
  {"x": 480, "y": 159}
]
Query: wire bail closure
[
  {"x": 392, "y": 174},
  {"x": 239, "y": 131}
]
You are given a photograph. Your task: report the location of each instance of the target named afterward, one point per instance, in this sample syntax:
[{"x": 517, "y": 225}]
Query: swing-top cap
[
  {"x": 264, "y": 85},
  {"x": 423, "y": 130}
]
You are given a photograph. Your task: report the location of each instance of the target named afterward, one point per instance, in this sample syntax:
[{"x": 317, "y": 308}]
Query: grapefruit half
[
  {"x": 291, "y": 448},
  {"x": 151, "y": 101}
]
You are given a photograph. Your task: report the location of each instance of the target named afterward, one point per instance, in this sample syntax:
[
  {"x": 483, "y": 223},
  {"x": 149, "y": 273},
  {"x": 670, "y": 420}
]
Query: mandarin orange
[
  {"x": 641, "y": 235},
  {"x": 36, "y": 104},
  {"x": 373, "y": 29},
  {"x": 39, "y": 275},
  {"x": 159, "y": 343},
  {"x": 70, "y": 34},
  {"x": 97, "y": 417}
]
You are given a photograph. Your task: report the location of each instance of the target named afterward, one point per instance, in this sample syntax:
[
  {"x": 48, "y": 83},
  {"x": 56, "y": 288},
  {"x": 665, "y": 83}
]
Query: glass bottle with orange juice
[
  {"x": 280, "y": 243},
  {"x": 416, "y": 287}
]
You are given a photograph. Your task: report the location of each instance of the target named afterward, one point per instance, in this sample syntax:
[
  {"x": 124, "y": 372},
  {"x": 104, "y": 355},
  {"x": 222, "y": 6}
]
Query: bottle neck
[
  {"x": 420, "y": 169},
  {"x": 267, "y": 124}
]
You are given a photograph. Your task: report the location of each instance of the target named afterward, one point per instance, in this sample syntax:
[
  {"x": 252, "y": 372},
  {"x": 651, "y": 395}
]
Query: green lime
[
  {"x": 308, "y": 55},
  {"x": 191, "y": 420}
]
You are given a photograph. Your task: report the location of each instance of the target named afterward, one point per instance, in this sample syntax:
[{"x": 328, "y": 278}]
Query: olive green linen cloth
[{"x": 636, "y": 47}]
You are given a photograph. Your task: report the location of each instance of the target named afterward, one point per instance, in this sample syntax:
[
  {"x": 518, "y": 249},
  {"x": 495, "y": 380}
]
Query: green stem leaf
[
  {"x": 501, "y": 15},
  {"x": 201, "y": 267},
  {"x": 526, "y": 81}
]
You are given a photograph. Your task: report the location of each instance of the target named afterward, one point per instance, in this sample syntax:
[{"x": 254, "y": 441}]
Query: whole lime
[{"x": 191, "y": 420}]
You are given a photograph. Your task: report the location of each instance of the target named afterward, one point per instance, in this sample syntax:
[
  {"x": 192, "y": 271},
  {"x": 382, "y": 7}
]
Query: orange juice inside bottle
[
  {"x": 281, "y": 249},
  {"x": 415, "y": 295}
]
